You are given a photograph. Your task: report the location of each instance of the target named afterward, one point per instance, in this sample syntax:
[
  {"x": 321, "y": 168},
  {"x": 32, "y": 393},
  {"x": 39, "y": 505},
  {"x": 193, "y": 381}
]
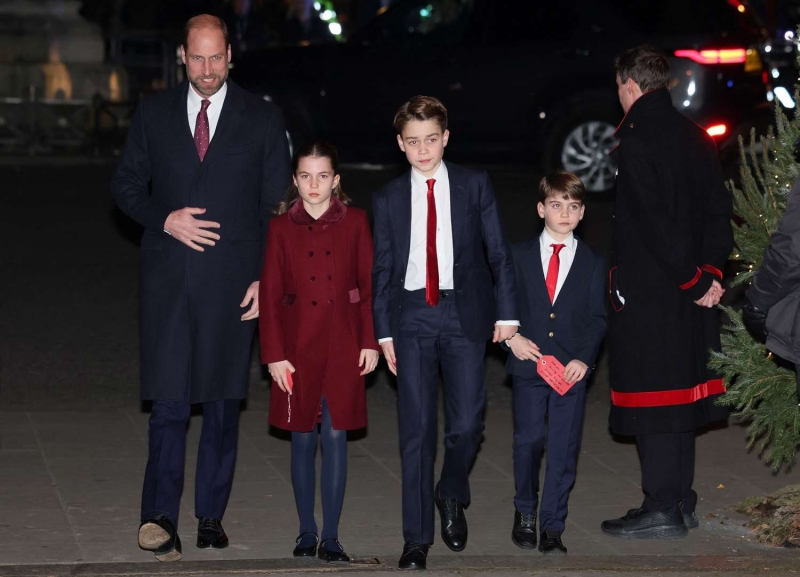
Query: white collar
[
  {"x": 419, "y": 180},
  {"x": 545, "y": 240},
  {"x": 195, "y": 100}
]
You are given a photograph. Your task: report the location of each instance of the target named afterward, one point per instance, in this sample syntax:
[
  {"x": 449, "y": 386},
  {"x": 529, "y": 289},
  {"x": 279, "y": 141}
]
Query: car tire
[{"x": 582, "y": 142}]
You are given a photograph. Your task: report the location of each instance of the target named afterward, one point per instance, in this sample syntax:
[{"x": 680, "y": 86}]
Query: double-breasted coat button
[
  {"x": 310, "y": 228},
  {"x": 552, "y": 315},
  {"x": 311, "y": 253},
  {"x": 327, "y": 252},
  {"x": 314, "y": 303},
  {"x": 330, "y": 277},
  {"x": 330, "y": 301},
  {"x": 551, "y": 335},
  {"x": 313, "y": 278}
]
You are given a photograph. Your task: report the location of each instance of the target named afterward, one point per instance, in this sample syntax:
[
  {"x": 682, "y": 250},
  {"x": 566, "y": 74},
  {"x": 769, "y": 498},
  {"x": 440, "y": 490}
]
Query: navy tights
[{"x": 334, "y": 477}]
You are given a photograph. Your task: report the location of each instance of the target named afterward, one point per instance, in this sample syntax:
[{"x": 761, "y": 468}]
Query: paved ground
[{"x": 73, "y": 433}]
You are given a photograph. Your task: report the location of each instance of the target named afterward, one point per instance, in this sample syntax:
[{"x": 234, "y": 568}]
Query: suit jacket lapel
[
  {"x": 458, "y": 205},
  {"x": 228, "y": 124},
  {"x": 402, "y": 211},
  {"x": 180, "y": 121},
  {"x": 576, "y": 271}
]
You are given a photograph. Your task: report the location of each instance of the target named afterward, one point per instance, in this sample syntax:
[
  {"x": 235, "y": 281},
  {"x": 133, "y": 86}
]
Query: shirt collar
[
  {"x": 216, "y": 99},
  {"x": 545, "y": 240},
  {"x": 419, "y": 180}
]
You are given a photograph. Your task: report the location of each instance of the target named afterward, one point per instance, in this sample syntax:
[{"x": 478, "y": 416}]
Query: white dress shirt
[
  {"x": 566, "y": 256},
  {"x": 193, "y": 104},
  {"x": 417, "y": 257}
]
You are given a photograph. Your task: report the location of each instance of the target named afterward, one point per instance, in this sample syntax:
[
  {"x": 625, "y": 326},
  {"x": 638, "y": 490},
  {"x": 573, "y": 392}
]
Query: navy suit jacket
[
  {"x": 572, "y": 327},
  {"x": 483, "y": 272}
]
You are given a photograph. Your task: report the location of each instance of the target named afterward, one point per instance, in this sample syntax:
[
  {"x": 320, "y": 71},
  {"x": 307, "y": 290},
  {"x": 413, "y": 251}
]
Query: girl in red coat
[{"x": 316, "y": 334}]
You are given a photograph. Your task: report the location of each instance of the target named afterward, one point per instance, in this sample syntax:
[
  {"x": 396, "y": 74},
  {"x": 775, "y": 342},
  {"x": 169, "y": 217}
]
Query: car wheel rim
[{"x": 586, "y": 152}]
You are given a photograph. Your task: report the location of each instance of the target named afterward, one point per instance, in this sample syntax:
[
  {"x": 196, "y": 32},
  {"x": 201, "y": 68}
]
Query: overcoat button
[
  {"x": 327, "y": 252},
  {"x": 632, "y": 124},
  {"x": 313, "y": 278},
  {"x": 330, "y": 302},
  {"x": 311, "y": 253},
  {"x": 314, "y": 303},
  {"x": 330, "y": 277},
  {"x": 310, "y": 228}
]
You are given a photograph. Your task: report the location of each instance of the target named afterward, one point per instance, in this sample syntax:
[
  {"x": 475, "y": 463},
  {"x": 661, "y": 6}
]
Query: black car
[{"x": 523, "y": 80}]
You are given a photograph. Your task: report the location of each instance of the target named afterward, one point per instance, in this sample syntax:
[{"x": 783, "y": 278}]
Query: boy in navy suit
[
  {"x": 438, "y": 246},
  {"x": 561, "y": 286}
]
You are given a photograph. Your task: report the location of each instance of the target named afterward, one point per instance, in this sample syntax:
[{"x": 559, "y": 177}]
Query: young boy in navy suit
[
  {"x": 443, "y": 284},
  {"x": 561, "y": 295}
]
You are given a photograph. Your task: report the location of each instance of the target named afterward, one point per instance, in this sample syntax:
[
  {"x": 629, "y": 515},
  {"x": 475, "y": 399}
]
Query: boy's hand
[
  {"x": 368, "y": 360},
  {"x": 524, "y": 349},
  {"x": 278, "y": 373},
  {"x": 503, "y": 332},
  {"x": 575, "y": 371},
  {"x": 388, "y": 351}
]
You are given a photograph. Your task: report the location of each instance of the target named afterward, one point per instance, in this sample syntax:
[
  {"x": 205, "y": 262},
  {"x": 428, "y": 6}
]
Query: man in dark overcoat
[
  {"x": 215, "y": 159},
  {"x": 672, "y": 236}
]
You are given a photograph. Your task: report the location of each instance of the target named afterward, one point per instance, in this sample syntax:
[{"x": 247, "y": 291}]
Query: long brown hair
[{"x": 316, "y": 149}]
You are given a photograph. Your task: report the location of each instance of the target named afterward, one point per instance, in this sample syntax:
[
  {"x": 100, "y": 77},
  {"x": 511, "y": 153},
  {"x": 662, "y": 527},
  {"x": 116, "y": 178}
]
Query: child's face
[
  {"x": 423, "y": 143},
  {"x": 315, "y": 180},
  {"x": 561, "y": 215}
]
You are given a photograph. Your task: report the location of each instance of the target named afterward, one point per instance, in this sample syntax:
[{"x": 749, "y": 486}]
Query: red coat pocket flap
[
  {"x": 355, "y": 295},
  {"x": 288, "y": 300}
]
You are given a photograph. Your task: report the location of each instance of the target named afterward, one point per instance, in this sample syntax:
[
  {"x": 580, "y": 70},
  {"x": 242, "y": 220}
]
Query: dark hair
[
  {"x": 316, "y": 149},
  {"x": 648, "y": 67},
  {"x": 566, "y": 184},
  {"x": 420, "y": 108},
  {"x": 205, "y": 21}
]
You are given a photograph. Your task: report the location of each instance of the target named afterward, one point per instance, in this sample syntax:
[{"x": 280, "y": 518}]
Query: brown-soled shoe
[
  {"x": 159, "y": 536},
  {"x": 211, "y": 534}
]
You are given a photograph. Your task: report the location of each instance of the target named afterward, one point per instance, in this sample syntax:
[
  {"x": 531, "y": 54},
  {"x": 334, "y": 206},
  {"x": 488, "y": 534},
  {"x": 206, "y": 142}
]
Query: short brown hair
[
  {"x": 421, "y": 108},
  {"x": 205, "y": 21},
  {"x": 562, "y": 183},
  {"x": 648, "y": 67}
]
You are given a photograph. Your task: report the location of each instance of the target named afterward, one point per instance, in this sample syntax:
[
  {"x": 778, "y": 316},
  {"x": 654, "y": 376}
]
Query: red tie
[
  {"x": 552, "y": 271},
  {"x": 201, "y": 132},
  {"x": 432, "y": 261}
]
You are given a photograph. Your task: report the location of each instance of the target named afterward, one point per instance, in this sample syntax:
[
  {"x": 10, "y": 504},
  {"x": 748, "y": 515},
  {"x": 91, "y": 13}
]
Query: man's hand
[
  {"x": 712, "y": 297},
  {"x": 368, "y": 359},
  {"x": 278, "y": 373},
  {"x": 524, "y": 349},
  {"x": 575, "y": 371},
  {"x": 182, "y": 225},
  {"x": 503, "y": 332},
  {"x": 388, "y": 351},
  {"x": 250, "y": 295}
]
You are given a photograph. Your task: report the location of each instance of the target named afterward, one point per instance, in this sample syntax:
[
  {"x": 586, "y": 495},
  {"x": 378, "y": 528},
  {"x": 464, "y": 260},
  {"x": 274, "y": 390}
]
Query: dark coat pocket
[
  {"x": 288, "y": 300},
  {"x": 355, "y": 295}
]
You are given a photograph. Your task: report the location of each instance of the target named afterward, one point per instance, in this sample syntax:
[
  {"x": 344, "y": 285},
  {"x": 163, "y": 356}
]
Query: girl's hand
[
  {"x": 368, "y": 359},
  {"x": 278, "y": 373}
]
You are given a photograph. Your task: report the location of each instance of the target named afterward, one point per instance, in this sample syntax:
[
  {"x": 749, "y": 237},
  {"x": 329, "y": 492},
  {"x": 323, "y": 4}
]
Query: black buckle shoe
[
  {"x": 523, "y": 535},
  {"x": 332, "y": 555},
  {"x": 453, "y": 522},
  {"x": 211, "y": 534},
  {"x": 641, "y": 524},
  {"x": 305, "y": 551},
  {"x": 550, "y": 543},
  {"x": 415, "y": 556},
  {"x": 159, "y": 536}
]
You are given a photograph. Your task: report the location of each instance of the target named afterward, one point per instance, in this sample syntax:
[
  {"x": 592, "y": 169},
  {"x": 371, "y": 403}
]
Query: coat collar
[
  {"x": 335, "y": 213},
  {"x": 647, "y": 104}
]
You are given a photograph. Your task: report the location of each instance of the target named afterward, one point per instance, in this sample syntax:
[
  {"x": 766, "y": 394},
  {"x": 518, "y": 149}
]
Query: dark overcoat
[
  {"x": 194, "y": 345},
  {"x": 672, "y": 236},
  {"x": 483, "y": 269},
  {"x": 316, "y": 312}
]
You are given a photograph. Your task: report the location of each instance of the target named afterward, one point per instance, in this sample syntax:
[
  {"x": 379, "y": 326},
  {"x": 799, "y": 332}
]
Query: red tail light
[
  {"x": 714, "y": 56},
  {"x": 717, "y": 130}
]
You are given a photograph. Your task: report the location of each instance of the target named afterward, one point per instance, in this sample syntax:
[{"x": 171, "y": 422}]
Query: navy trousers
[
  {"x": 533, "y": 400},
  {"x": 430, "y": 337},
  {"x": 216, "y": 458}
]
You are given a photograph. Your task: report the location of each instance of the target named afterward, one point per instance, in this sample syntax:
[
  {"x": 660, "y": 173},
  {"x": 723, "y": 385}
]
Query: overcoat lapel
[
  {"x": 185, "y": 148},
  {"x": 228, "y": 124}
]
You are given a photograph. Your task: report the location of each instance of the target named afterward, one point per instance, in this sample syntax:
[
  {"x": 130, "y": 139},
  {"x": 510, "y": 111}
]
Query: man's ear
[
  {"x": 400, "y": 142},
  {"x": 183, "y": 54},
  {"x": 229, "y": 53}
]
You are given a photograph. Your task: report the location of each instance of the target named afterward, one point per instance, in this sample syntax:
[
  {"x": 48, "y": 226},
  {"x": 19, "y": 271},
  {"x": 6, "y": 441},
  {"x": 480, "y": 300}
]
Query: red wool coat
[{"x": 316, "y": 312}]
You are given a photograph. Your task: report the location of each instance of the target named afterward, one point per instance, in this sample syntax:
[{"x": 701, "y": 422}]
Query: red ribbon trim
[
  {"x": 691, "y": 283},
  {"x": 712, "y": 269},
  {"x": 667, "y": 398}
]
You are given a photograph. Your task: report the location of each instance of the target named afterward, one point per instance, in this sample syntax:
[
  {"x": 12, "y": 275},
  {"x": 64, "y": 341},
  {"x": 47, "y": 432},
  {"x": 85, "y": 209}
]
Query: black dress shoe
[
  {"x": 689, "y": 519},
  {"x": 211, "y": 534},
  {"x": 310, "y": 551},
  {"x": 159, "y": 536},
  {"x": 641, "y": 524},
  {"x": 453, "y": 522},
  {"x": 331, "y": 550},
  {"x": 415, "y": 556},
  {"x": 550, "y": 543},
  {"x": 523, "y": 535}
]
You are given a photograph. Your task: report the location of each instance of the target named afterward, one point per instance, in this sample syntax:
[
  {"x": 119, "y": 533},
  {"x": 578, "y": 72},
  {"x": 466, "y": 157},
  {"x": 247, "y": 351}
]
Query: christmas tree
[{"x": 761, "y": 389}]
